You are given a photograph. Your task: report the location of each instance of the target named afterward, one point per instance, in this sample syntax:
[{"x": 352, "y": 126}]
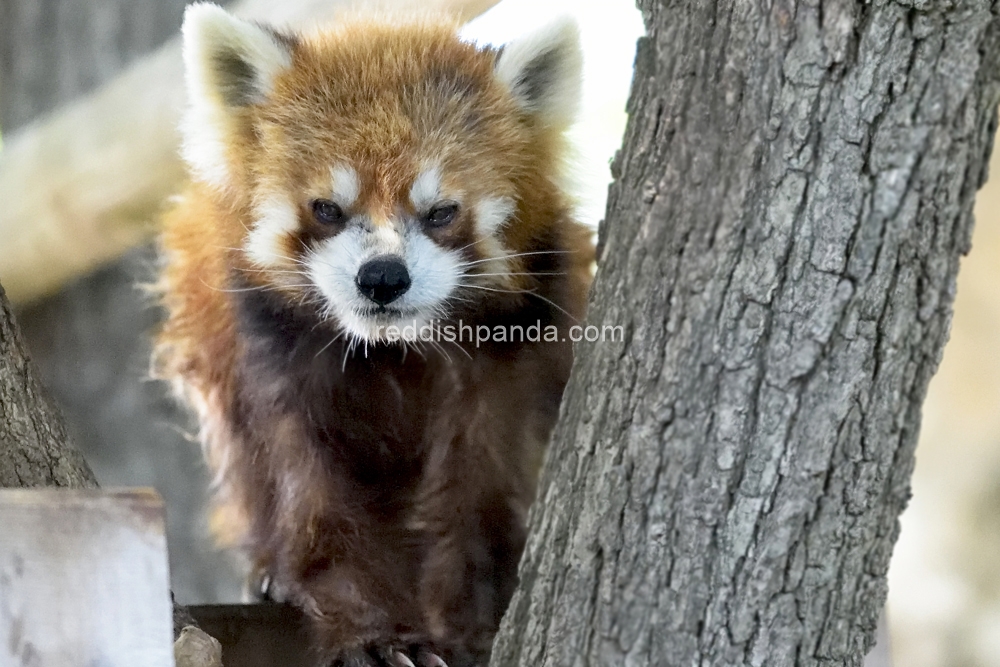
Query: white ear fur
[
  {"x": 543, "y": 70},
  {"x": 229, "y": 63}
]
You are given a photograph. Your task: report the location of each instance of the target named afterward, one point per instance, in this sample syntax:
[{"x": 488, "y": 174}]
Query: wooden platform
[{"x": 257, "y": 635}]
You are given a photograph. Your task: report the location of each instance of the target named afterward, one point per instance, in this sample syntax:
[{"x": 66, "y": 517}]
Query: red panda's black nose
[{"x": 383, "y": 279}]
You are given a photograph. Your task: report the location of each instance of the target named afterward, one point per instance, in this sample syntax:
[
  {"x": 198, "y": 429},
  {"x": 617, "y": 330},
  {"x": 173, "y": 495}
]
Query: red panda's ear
[
  {"x": 543, "y": 71},
  {"x": 229, "y": 65}
]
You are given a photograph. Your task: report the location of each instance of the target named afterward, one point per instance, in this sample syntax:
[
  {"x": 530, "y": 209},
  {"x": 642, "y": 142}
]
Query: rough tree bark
[
  {"x": 782, "y": 240},
  {"x": 34, "y": 447}
]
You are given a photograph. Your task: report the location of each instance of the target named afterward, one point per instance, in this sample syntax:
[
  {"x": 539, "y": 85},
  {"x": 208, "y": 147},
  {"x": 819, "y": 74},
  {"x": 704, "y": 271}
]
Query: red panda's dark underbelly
[{"x": 387, "y": 482}]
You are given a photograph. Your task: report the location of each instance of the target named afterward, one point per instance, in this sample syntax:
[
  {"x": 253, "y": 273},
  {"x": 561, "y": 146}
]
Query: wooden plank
[
  {"x": 83, "y": 579},
  {"x": 257, "y": 635}
]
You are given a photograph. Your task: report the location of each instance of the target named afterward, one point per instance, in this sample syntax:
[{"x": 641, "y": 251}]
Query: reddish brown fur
[{"x": 386, "y": 494}]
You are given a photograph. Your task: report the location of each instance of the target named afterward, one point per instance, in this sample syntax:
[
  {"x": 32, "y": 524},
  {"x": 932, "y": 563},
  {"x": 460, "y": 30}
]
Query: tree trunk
[
  {"x": 34, "y": 447},
  {"x": 781, "y": 247}
]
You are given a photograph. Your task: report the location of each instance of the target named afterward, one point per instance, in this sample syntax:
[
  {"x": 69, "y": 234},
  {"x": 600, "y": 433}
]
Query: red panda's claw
[
  {"x": 428, "y": 659},
  {"x": 401, "y": 660}
]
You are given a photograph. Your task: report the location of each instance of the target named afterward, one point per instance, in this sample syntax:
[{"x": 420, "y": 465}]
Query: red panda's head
[{"x": 385, "y": 173}]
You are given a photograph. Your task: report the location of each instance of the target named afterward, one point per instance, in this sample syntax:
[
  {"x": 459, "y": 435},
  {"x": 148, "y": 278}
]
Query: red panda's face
[
  {"x": 388, "y": 173},
  {"x": 397, "y": 260}
]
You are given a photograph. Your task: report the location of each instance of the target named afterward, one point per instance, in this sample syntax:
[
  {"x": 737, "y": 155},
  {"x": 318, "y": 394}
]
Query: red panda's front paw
[{"x": 388, "y": 656}]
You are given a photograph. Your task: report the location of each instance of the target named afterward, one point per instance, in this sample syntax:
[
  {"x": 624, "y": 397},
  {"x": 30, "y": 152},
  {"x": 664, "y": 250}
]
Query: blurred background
[{"x": 90, "y": 336}]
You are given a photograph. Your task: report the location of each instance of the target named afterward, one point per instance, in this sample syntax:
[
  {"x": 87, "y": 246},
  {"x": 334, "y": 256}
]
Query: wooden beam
[
  {"x": 83, "y": 578},
  {"x": 82, "y": 185}
]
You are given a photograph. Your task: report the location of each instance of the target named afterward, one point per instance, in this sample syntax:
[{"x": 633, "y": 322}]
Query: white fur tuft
[
  {"x": 213, "y": 40},
  {"x": 543, "y": 70},
  {"x": 276, "y": 218},
  {"x": 492, "y": 214},
  {"x": 426, "y": 189},
  {"x": 346, "y": 186}
]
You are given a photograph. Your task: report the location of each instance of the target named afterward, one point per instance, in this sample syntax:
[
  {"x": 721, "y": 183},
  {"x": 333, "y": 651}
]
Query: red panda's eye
[
  {"x": 442, "y": 214},
  {"x": 327, "y": 212}
]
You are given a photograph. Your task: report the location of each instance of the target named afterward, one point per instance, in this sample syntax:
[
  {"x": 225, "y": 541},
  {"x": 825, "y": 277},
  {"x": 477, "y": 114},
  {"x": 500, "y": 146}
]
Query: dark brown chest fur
[{"x": 394, "y": 480}]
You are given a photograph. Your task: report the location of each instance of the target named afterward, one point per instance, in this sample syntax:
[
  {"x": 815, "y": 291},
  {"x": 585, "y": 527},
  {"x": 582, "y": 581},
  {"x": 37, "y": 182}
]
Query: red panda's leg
[
  {"x": 470, "y": 571},
  {"x": 351, "y": 569},
  {"x": 362, "y": 606}
]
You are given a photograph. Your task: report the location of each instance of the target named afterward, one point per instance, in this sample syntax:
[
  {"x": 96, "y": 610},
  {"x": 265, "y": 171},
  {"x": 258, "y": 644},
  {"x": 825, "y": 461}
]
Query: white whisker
[
  {"x": 326, "y": 347},
  {"x": 528, "y": 292},
  {"x": 516, "y": 255},
  {"x": 523, "y": 273}
]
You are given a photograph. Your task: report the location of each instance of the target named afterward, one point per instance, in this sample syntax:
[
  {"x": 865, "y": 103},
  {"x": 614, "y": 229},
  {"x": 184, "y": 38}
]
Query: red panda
[{"x": 345, "y": 185}]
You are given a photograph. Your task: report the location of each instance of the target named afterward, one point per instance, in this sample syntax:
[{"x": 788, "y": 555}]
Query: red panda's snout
[{"x": 374, "y": 275}]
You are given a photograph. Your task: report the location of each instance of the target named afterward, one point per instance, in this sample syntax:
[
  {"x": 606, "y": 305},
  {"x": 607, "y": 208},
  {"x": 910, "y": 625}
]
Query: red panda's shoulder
[{"x": 198, "y": 339}]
